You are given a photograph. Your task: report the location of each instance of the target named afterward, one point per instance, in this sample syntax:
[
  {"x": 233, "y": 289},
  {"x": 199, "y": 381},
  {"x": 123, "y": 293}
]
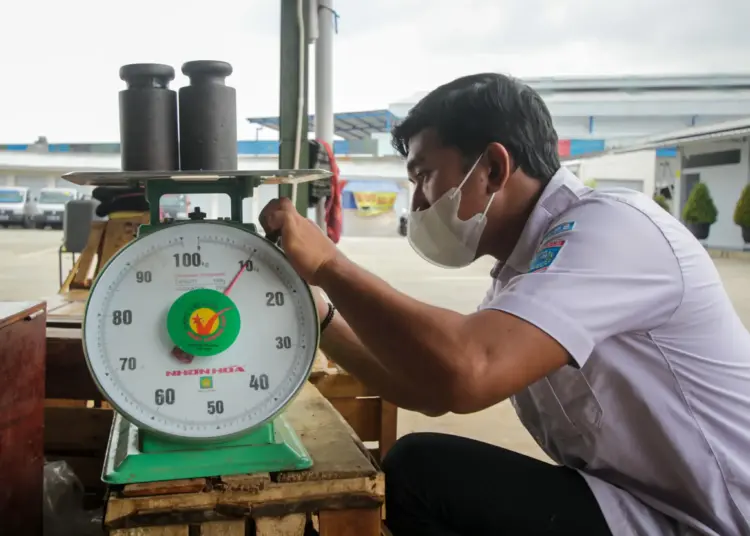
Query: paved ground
[{"x": 28, "y": 270}]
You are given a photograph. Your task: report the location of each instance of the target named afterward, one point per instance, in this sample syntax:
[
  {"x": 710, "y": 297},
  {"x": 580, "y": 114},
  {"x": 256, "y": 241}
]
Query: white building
[
  {"x": 590, "y": 114},
  {"x": 718, "y": 156}
]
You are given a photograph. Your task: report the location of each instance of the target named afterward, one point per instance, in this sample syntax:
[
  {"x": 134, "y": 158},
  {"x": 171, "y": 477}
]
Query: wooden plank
[
  {"x": 76, "y": 430},
  {"x": 117, "y": 234},
  {"x": 349, "y": 522},
  {"x": 249, "y": 483},
  {"x": 88, "y": 256},
  {"x": 67, "y": 375},
  {"x": 21, "y": 416},
  {"x": 275, "y": 500},
  {"x": 291, "y": 525},
  {"x": 12, "y": 312},
  {"x": 187, "y": 485},
  {"x": 388, "y": 428},
  {"x": 171, "y": 530},
  {"x": 327, "y": 439},
  {"x": 337, "y": 385},
  {"x": 224, "y": 528},
  {"x": 363, "y": 414}
]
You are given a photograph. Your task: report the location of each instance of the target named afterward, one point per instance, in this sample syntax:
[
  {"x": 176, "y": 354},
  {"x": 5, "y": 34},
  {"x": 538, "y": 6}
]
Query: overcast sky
[{"x": 60, "y": 59}]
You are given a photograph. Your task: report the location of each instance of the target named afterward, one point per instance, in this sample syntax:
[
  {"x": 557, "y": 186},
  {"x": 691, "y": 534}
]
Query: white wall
[
  {"x": 637, "y": 166},
  {"x": 725, "y": 183}
]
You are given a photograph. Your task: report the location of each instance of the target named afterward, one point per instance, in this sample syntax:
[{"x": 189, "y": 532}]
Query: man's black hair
[{"x": 471, "y": 112}]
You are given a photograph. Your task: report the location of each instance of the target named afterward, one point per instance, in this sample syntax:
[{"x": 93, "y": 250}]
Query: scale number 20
[
  {"x": 274, "y": 299},
  {"x": 259, "y": 382}
]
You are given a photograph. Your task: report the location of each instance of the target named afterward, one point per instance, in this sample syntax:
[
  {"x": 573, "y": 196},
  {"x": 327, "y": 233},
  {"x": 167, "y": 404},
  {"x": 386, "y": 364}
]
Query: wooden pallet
[
  {"x": 373, "y": 419},
  {"x": 105, "y": 239},
  {"x": 342, "y": 494}
]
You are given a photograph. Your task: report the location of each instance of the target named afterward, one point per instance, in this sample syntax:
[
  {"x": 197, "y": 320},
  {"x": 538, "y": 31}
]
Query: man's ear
[{"x": 499, "y": 167}]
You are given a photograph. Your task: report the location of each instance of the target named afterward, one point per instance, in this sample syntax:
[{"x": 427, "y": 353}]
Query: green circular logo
[{"x": 203, "y": 322}]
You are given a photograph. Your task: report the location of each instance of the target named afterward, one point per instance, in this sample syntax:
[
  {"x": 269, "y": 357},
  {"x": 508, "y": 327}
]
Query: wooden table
[
  {"x": 21, "y": 416},
  {"x": 344, "y": 490}
]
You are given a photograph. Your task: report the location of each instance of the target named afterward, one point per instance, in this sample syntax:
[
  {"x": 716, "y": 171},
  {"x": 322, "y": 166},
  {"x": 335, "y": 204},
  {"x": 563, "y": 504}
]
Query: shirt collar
[{"x": 562, "y": 188}]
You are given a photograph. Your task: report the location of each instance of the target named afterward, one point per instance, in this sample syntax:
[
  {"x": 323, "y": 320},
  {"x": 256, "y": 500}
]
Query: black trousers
[{"x": 444, "y": 485}]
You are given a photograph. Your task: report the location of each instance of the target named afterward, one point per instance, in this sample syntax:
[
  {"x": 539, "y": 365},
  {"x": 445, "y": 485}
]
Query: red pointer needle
[{"x": 181, "y": 355}]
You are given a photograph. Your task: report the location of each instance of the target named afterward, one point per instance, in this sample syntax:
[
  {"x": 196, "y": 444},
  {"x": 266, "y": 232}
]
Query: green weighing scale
[{"x": 199, "y": 333}]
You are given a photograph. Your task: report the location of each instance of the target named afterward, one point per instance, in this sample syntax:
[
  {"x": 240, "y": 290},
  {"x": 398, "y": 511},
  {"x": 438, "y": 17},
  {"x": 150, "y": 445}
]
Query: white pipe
[{"x": 300, "y": 92}]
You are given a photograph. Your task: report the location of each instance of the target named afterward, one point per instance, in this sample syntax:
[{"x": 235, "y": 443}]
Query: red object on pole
[{"x": 334, "y": 217}]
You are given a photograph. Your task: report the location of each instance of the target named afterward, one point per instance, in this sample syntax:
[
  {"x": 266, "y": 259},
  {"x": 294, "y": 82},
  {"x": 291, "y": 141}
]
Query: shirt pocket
[{"x": 580, "y": 412}]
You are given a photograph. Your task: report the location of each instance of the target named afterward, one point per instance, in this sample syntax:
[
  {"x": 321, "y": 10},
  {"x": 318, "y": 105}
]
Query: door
[{"x": 689, "y": 180}]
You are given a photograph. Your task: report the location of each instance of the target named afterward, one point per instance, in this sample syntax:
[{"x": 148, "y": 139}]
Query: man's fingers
[{"x": 274, "y": 215}]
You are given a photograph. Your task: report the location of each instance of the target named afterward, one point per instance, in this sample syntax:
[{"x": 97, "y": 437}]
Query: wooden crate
[
  {"x": 21, "y": 414},
  {"x": 77, "y": 420},
  {"x": 342, "y": 494},
  {"x": 373, "y": 419}
]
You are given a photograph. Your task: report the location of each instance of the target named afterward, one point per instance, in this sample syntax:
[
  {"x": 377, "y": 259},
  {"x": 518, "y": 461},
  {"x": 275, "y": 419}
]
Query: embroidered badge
[
  {"x": 559, "y": 229},
  {"x": 546, "y": 256}
]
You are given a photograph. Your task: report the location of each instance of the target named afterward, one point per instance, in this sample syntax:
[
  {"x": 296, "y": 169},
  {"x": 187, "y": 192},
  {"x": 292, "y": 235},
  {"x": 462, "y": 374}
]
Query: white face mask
[{"x": 440, "y": 236}]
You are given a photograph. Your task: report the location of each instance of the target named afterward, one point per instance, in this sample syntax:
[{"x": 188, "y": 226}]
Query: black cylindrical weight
[
  {"x": 148, "y": 119},
  {"x": 208, "y": 118}
]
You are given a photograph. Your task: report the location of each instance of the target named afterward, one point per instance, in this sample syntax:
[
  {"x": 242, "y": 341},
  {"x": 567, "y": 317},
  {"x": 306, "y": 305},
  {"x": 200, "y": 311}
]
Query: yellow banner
[{"x": 374, "y": 203}]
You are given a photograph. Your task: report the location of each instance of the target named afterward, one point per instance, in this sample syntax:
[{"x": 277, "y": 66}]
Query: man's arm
[
  {"x": 447, "y": 359},
  {"x": 341, "y": 344}
]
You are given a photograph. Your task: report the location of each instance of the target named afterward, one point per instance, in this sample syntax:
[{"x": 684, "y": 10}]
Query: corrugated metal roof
[{"x": 719, "y": 131}]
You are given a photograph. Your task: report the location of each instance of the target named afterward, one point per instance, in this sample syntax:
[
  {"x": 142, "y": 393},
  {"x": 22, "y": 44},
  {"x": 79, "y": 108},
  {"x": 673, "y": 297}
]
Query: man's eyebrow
[{"x": 411, "y": 164}]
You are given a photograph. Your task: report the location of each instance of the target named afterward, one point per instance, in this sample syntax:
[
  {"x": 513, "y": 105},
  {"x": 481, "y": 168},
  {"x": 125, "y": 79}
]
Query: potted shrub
[
  {"x": 700, "y": 211},
  {"x": 742, "y": 213},
  {"x": 662, "y": 202}
]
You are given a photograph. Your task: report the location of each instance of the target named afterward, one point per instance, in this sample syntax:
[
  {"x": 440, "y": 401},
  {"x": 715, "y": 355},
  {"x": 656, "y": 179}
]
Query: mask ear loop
[
  {"x": 484, "y": 214},
  {"x": 466, "y": 178}
]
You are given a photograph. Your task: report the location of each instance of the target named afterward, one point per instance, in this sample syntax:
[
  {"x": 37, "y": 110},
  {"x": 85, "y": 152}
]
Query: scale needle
[{"x": 181, "y": 355}]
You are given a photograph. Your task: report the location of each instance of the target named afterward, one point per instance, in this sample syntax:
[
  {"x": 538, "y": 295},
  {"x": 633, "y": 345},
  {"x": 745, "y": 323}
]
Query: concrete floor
[{"x": 28, "y": 270}]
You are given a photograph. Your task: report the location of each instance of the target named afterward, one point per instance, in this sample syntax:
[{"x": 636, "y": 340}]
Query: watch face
[{"x": 178, "y": 353}]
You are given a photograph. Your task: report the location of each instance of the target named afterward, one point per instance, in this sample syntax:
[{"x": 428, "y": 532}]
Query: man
[{"x": 606, "y": 324}]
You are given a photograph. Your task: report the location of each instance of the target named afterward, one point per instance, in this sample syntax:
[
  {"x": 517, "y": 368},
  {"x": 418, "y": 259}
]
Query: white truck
[
  {"x": 16, "y": 206},
  {"x": 50, "y": 207}
]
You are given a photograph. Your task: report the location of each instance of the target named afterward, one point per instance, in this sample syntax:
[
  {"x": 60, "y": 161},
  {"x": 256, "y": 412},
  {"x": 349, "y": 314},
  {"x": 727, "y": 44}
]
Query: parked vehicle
[
  {"x": 50, "y": 207},
  {"x": 16, "y": 206}
]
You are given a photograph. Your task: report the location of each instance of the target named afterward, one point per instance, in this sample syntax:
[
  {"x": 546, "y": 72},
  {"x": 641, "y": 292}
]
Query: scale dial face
[{"x": 249, "y": 350}]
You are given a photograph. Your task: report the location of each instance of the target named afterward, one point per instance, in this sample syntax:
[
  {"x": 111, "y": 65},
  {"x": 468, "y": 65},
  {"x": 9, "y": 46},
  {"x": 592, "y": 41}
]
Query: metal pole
[
  {"x": 324, "y": 85},
  {"x": 289, "y": 84}
]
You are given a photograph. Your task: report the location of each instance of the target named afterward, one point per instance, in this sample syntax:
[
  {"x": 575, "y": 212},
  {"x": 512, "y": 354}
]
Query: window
[
  {"x": 719, "y": 158},
  {"x": 11, "y": 196}
]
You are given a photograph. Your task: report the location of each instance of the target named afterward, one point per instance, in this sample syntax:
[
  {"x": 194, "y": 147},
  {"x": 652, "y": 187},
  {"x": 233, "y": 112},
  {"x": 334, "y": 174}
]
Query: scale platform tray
[
  {"x": 135, "y": 455},
  {"x": 129, "y": 178}
]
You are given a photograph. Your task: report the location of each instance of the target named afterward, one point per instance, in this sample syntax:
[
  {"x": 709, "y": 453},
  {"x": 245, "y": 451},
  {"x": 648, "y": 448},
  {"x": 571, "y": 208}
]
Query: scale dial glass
[{"x": 252, "y": 349}]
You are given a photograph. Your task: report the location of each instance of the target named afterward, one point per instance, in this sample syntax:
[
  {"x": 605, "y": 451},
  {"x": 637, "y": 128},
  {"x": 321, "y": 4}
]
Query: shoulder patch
[
  {"x": 546, "y": 255},
  {"x": 559, "y": 229}
]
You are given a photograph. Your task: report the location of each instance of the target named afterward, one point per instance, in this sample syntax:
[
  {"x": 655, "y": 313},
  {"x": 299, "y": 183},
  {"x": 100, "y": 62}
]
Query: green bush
[
  {"x": 700, "y": 208},
  {"x": 662, "y": 202},
  {"x": 742, "y": 209}
]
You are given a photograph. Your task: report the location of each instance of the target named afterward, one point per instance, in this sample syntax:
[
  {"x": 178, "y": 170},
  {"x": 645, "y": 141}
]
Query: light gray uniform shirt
[{"x": 654, "y": 409}]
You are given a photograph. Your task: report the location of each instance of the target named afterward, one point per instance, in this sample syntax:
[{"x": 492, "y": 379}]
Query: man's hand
[{"x": 307, "y": 247}]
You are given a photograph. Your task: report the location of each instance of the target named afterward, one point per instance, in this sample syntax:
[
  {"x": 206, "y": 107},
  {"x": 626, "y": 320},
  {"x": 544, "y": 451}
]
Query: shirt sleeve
[{"x": 604, "y": 268}]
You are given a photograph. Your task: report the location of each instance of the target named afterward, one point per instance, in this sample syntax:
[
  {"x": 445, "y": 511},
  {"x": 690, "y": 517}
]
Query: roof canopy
[{"x": 348, "y": 125}]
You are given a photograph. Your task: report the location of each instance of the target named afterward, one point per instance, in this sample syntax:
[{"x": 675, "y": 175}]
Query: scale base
[{"x": 135, "y": 455}]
